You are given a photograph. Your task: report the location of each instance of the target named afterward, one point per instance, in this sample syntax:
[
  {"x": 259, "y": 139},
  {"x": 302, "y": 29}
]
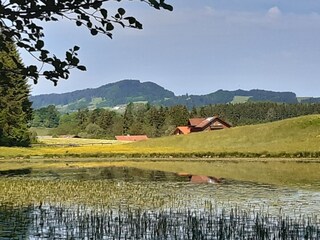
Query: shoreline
[{"x": 263, "y": 156}]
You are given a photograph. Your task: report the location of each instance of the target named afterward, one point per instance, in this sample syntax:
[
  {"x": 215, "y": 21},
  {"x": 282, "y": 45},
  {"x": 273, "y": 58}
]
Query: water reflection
[
  {"x": 81, "y": 222},
  {"x": 15, "y": 172},
  {"x": 120, "y": 202},
  {"x": 111, "y": 173}
]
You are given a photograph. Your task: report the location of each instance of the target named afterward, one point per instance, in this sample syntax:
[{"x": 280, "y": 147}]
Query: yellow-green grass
[
  {"x": 290, "y": 135},
  {"x": 42, "y": 131},
  {"x": 77, "y": 141}
]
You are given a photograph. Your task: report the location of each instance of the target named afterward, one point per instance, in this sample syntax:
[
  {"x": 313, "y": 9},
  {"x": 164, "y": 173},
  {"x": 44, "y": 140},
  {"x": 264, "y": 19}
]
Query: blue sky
[{"x": 200, "y": 47}]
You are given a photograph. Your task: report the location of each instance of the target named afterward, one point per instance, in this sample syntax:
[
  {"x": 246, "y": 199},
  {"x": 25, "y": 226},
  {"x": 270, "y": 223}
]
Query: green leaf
[
  {"x": 39, "y": 44},
  {"x": 75, "y": 61},
  {"x": 94, "y": 32},
  {"x": 97, "y": 4},
  {"x": 121, "y": 11},
  {"x": 109, "y": 27},
  {"x": 32, "y": 69},
  {"x": 131, "y": 20},
  {"x": 109, "y": 35},
  {"x": 138, "y": 25},
  {"x": 154, "y": 3},
  {"x": 82, "y": 68},
  {"x": 76, "y": 48},
  {"x": 167, "y": 6},
  {"x": 68, "y": 56},
  {"x": 104, "y": 13}
]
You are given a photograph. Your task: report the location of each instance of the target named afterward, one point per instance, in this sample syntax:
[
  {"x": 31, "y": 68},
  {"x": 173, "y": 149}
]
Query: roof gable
[
  {"x": 195, "y": 121},
  {"x": 210, "y": 120},
  {"x": 184, "y": 129}
]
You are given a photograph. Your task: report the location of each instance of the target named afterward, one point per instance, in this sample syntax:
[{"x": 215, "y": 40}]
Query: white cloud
[{"x": 274, "y": 13}]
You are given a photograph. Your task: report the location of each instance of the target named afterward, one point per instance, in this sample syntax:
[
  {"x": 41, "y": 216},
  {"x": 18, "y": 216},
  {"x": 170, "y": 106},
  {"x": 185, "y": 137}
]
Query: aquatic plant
[{"x": 83, "y": 222}]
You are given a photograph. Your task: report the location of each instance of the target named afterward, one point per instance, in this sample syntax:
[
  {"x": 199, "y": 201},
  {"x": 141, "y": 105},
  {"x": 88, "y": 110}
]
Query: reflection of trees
[
  {"x": 15, "y": 172},
  {"x": 134, "y": 174},
  {"x": 157, "y": 176},
  {"x": 80, "y": 222},
  {"x": 127, "y": 174},
  {"x": 14, "y": 222},
  {"x": 107, "y": 173}
]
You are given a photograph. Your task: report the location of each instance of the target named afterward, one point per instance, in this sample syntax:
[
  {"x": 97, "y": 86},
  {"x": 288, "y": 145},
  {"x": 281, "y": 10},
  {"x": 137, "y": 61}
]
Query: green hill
[
  {"x": 108, "y": 95},
  {"x": 290, "y": 135},
  {"x": 224, "y": 96},
  {"x": 126, "y": 91}
]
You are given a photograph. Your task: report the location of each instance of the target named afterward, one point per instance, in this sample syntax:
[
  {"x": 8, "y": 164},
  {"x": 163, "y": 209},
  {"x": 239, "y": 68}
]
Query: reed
[
  {"x": 110, "y": 204},
  {"x": 56, "y": 221}
]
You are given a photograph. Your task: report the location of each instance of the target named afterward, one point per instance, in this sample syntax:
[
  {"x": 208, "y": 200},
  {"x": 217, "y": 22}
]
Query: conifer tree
[
  {"x": 128, "y": 118},
  {"x": 15, "y": 107}
]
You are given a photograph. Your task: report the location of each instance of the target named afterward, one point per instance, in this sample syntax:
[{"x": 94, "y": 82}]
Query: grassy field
[
  {"x": 77, "y": 141},
  {"x": 290, "y": 135},
  {"x": 240, "y": 99},
  {"x": 296, "y": 137},
  {"x": 42, "y": 131}
]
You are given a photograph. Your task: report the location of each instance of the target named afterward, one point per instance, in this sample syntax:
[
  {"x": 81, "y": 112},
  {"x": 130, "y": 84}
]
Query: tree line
[
  {"x": 103, "y": 123},
  {"x": 157, "y": 121}
]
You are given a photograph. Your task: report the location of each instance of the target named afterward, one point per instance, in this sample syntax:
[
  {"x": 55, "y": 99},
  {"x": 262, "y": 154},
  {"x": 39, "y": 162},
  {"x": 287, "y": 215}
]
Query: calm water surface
[{"x": 130, "y": 203}]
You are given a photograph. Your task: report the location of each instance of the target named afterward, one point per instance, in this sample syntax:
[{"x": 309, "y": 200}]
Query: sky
[{"x": 198, "y": 48}]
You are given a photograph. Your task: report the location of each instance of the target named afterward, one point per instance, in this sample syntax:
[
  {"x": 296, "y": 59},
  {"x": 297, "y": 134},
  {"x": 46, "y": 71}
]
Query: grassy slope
[
  {"x": 294, "y": 135},
  {"x": 240, "y": 99},
  {"x": 290, "y": 135}
]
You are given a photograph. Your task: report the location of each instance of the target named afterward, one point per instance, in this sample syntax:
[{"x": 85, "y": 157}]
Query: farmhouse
[{"x": 202, "y": 124}]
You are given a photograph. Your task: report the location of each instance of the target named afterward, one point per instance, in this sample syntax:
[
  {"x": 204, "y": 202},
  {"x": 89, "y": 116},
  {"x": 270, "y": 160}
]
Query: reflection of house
[
  {"x": 132, "y": 138},
  {"x": 202, "y": 124}
]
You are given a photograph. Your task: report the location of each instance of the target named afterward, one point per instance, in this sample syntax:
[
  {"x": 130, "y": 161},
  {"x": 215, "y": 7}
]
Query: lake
[{"x": 120, "y": 202}]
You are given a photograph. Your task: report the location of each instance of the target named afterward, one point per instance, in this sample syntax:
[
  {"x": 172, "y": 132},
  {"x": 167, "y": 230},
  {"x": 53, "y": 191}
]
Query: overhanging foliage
[{"x": 20, "y": 21}]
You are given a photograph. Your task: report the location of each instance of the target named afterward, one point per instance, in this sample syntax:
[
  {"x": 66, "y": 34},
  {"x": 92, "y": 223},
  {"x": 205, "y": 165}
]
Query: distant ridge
[
  {"x": 126, "y": 91},
  {"x": 108, "y": 95}
]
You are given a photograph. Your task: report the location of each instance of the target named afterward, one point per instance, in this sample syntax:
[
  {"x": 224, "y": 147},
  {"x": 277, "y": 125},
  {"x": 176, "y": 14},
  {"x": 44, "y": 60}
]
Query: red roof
[
  {"x": 132, "y": 138},
  {"x": 195, "y": 121},
  {"x": 209, "y": 120},
  {"x": 184, "y": 129},
  {"x": 205, "y": 122}
]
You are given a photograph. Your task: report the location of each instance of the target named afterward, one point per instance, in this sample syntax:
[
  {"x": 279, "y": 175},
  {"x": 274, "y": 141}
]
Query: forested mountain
[
  {"x": 223, "y": 96},
  {"x": 108, "y": 95},
  {"x": 126, "y": 91}
]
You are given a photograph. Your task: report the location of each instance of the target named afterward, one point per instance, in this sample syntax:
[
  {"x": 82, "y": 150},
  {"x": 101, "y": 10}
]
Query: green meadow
[
  {"x": 290, "y": 138},
  {"x": 301, "y": 134}
]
